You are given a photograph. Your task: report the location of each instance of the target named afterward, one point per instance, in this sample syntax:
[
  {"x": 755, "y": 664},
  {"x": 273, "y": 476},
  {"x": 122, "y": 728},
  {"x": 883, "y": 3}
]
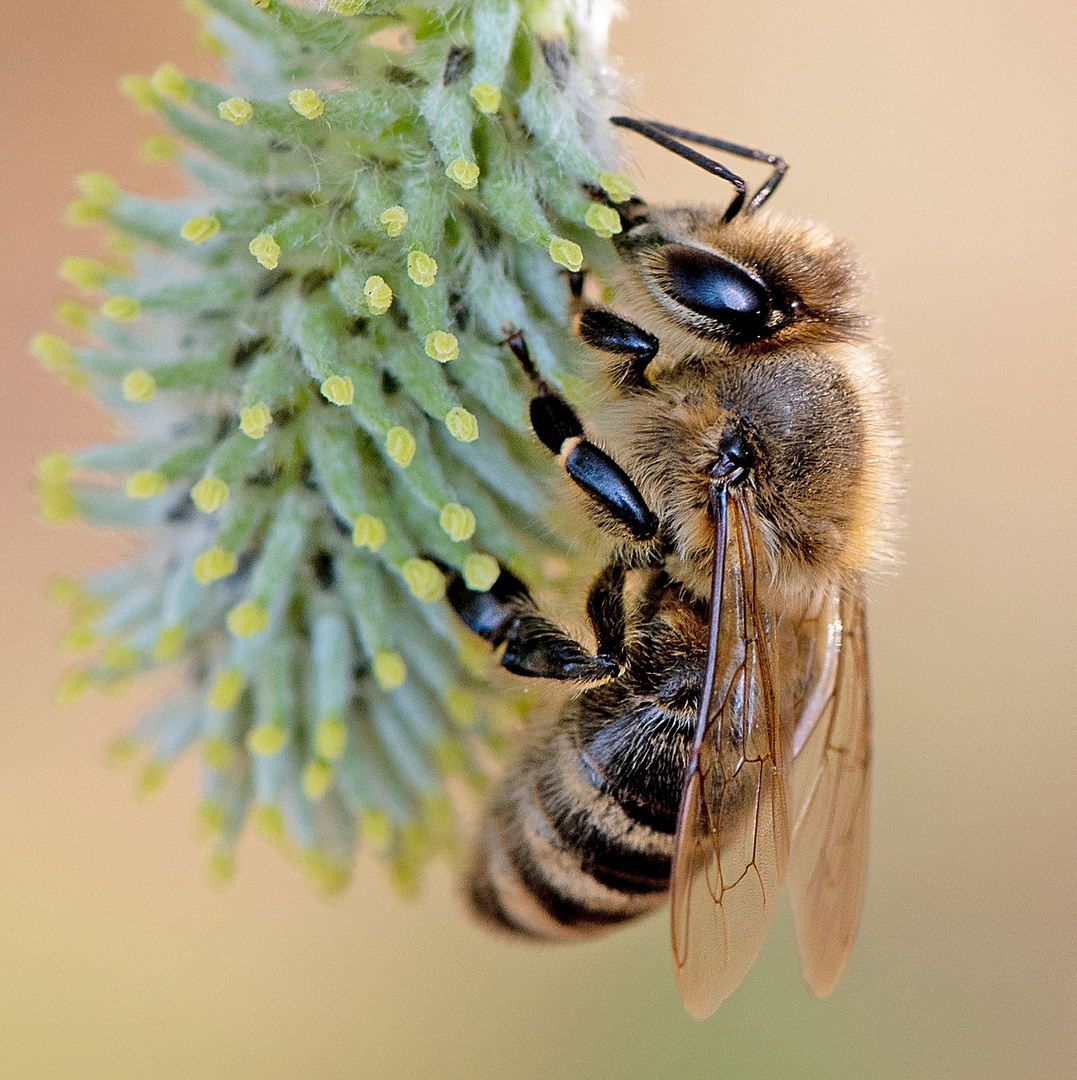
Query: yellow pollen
[
  {"x": 603, "y": 219},
  {"x": 617, "y": 186},
  {"x": 442, "y": 346},
  {"x": 169, "y": 642},
  {"x": 79, "y": 638},
  {"x": 307, "y": 103},
  {"x": 200, "y": 228},
  {"x": 139, "y": 385},
  {"x": 211, "y": 817},
  {"x": 226, "y": 689},
  {"x": 73, "y": 313},
  {"x": 209, "y": 494},
  {"x": 247, "y": 619},
  {"x": 480, "y": 572},
  {"x": 140, "y": 90},
  {"x": 369, "y": 532},
  {"x": 394, "y": 219},
  {"x": 169, "y": 82},
  {"x": 266, "y": 250},
  {"x": 463, "y": 172},
  {"x": 462, "y": 425},
  {"x": 85, "y": 273},
  {"x": 146, "y": 484},
  {"x": 422, "y": 269},
  {"x": 486, "y": 96},
  {"x": 339, "y": 389},
  {"x": 221, "y": 867},
  {"x": 389, "y": 668},
  {"x": 237, "y": 110},
  {"x": 566, "y": 253},
  {"x": 400, "y": 445},
  {"x": 424, "y": 579},
  {"x": 267, "y": 739},
  {"x": 53, "y": 352},
  {"x": 376, "y": 830},
  {"x": 72, "y": 686},
  {"x": 121, "y": 308},
  {"x": 268, "y": 819},
  {"x": 254, "y": 420},
  {"x": 119, "y": 655},
  {"x": 217, "y": 752},
  {"x": 211, "y": 43},
  {"x": 330, "y": 737},
  {"x": 99, "y": 188},
  {"x": 152, "y": 778},
  {"x": 378, "y": 295},
  {"x": 457, "y": 521},
  {"x": 213, "y": 564},
  {"x": 161, "y": 148},
  {"x": 317, "y": 777}
]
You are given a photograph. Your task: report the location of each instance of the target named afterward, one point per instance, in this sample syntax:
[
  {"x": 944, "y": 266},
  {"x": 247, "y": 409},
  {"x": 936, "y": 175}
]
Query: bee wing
[
  {"x": 732, "y": 838},
  {"x": 830, "y": 791}
]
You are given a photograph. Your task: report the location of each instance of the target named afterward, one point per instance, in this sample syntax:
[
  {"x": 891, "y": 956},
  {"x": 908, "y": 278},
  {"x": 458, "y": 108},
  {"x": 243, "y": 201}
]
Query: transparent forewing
[
  {"x": 733, "y": 834},
  {"x": 830, "y": 792}
]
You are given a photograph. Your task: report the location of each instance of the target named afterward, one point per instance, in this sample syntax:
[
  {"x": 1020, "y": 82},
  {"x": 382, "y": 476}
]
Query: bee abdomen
[{"x": 558, "y": 857}]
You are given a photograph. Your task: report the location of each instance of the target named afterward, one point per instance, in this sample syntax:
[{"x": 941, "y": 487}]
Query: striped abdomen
[{"x": 580, "y": 835}]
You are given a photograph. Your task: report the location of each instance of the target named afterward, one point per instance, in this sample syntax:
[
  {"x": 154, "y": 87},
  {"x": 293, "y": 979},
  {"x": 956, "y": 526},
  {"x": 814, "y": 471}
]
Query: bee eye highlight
[{"x": 716, "y": 289}]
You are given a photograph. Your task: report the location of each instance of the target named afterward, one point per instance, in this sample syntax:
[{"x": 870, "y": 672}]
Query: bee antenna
[{"x": 668, "y": 136}]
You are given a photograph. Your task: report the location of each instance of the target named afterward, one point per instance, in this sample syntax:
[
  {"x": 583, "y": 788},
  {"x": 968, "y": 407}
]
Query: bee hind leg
[
  {"x": 615, "y": 498},
  {"x": 535, "y": 645}
]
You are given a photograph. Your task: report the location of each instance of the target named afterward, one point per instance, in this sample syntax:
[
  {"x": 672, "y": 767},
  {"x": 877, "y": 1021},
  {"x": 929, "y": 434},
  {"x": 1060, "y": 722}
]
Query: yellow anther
[
  {"x": 218, "y": 752},
  {"x": 268, "y": 819},
  {"x": 119, "y": 655},
  {"x": 121, "y": 308},
  {"x": 210, "y": 816},
  {"x": 200, "y": 228},
  {"x": 254, "y": 420},
  {"x": 54, "y": 353},
  {"x": 226, "y": 689},
  {"x": 486, "y": 96},
  {"x": 424, "y": 579},
  {"x": 83, "y": 272},
  {"x": 617, "y": 186},
  {"x": 462, "y": 706},
  {"x": 480, "y": 572},
  {"x": 462, "y": 425},
  {"x": 463, "y": 172},
  {"x": 442, "y": 346},
  {"x": 79, "y": 639},
  {"x": 267, "y": 739},
  {"x": 330, "y": 737},
  {"x": 211, "y": 43},
  {"x": 378, "y": 295},
  {"x": 71, "y": 687},
  {"x": 139, "y": 385},
  {"x": 121, "y": 750},
  {"x": 566, "y": 253},
  {"x": 236, "y": 110},
  {"x": 389, "y": 668},
  {"x": 400, "y": 445},
  {"x": 169, "y": 82},
  {"x": 339, "y": 389},
  {"x": 213, "y": 564},
  {"x": 221, "y": 866},
  {"x": 140, "y": 90},
  {"x": 83, "y": 212},
  {"x": 99, "y": 188},
  {"x": 458, "y": 521},
  {"x": 169, "y": 642},
  {"x": 58, "y": 503},
  {"x": 346, "y": 7},
  {"x": 209, "y": 494},
  {"x": 54, "y": 468},
  {"x": 120, "y": 244},
  {"x": 247, "y": 619},
  {"x": 73, "y": 313},
  {"x": 307, "y": 103},
  {"x": 266, "y": 250},
  {"x": 145, "y": 484},
  {"x": 376, "y": 830},
  {"x": 162, "y": 148},
  {"x": 317, "y": 777},
  {"x": 422, "y": 269},
  {"x": 198, "y": 8},
  {"x": 369, "y": 532},
  {"x": 152, "y": 778},
  {"x": 603, "y": 219},
  {"x": 394, "y": 219},
  {"x": 62, "y": 589}
]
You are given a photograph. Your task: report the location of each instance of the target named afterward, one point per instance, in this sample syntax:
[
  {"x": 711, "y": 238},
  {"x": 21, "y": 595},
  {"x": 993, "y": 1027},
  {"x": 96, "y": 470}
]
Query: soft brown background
[{"x": 940, "y": 135}]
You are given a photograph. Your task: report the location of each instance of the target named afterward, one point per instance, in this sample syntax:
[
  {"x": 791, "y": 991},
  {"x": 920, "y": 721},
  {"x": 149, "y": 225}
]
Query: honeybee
[{"x": 718, "y": 741}]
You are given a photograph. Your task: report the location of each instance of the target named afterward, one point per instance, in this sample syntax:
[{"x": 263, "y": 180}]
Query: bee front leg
[
  {"x": 616, "y": 498},
  {"x": 535, "y": 646}
]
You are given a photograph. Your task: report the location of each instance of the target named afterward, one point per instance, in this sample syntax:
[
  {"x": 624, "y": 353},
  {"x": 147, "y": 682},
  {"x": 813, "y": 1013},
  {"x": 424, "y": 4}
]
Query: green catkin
[{"x": 310, "y": 355}]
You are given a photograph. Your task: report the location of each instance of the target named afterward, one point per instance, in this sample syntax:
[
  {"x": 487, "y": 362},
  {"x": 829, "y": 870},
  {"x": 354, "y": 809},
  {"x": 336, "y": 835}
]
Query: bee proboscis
[{"x": 718, "y": 743}]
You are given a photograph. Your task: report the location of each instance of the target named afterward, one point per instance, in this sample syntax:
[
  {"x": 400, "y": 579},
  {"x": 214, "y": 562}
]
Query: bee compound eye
[{"x": 716, "y": 288}]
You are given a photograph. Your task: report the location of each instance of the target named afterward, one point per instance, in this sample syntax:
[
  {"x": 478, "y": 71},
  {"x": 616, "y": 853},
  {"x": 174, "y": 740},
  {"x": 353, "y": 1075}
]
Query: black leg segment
[{"x": 610, "y": 333}]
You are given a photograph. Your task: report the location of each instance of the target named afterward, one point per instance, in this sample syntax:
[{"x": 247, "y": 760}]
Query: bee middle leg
[
  {"x": 616, "y": 498},
  {"x": 535, "y": 645}
]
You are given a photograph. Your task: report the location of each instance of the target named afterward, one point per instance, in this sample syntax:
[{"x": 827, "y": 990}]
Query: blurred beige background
[{"x": 940, "y": 136}]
